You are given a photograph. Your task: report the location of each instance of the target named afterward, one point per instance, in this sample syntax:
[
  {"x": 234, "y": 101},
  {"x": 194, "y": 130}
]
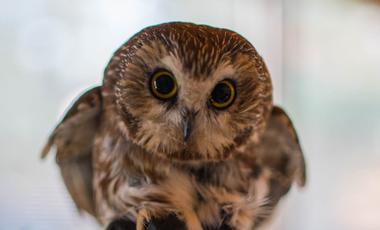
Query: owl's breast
[{"x": 127, "y": 185}]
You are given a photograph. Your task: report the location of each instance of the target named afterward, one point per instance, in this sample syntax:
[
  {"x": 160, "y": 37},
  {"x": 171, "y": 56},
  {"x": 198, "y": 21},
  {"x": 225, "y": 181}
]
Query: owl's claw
[
  {"x": 121, "y": 224},
  {"x": 169, "y": 223}
]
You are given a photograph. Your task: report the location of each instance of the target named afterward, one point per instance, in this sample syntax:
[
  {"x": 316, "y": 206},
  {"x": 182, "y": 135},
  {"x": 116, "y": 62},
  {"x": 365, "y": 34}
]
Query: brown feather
[
  {"x": 73, "y": 139},
  {"x": 279, "y": 150},
  {"x": 78, "y": 175}
]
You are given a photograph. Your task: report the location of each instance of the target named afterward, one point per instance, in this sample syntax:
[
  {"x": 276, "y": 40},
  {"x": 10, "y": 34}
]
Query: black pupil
[
  {"x": 221, "y": 93},
  {"x": 164, "y": 84}
]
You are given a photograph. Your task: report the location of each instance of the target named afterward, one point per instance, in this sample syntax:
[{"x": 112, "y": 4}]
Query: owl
[{"x": 182, "y": 132}]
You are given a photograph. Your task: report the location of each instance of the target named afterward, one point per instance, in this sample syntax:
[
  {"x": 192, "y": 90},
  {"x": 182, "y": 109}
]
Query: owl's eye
[
  {"x": 163, "y": 85},
  {"x": 223, "y": 94}
]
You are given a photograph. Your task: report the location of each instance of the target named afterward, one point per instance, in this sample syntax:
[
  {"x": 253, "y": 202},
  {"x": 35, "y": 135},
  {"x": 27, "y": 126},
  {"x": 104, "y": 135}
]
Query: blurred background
[{"x": 323, "y": 56}]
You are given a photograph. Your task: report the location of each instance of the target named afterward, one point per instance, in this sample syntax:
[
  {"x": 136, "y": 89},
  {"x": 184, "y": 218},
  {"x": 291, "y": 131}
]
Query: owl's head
[{"x": 190, "y": 92}]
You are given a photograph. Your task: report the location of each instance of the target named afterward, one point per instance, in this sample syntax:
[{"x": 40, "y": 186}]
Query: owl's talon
[
  {"x": 171, "y": 222},
  {"x": 121, "y": 224}
]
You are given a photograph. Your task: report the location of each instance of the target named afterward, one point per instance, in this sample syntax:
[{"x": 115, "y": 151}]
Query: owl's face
[{"x": 189, "y": 92}]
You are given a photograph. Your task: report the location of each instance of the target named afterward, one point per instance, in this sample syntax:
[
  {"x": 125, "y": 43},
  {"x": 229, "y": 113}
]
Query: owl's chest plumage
[{"x": 134, "y": 183}]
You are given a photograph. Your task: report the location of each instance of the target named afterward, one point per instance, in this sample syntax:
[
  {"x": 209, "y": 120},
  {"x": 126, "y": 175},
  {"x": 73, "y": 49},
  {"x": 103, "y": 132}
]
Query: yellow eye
[
  {"x": 223, "y": 94},
  {"x": 163, "y": 85}
]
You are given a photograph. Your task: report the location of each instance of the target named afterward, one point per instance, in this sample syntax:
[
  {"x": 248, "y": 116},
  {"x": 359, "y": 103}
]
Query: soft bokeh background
[{"x": 323, "y": 55}]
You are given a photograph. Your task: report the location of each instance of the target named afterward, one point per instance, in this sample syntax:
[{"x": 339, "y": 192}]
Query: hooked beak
[{"x": 188, "y": 125}]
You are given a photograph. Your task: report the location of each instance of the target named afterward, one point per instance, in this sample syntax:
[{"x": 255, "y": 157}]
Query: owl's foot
[
  {"x": 121, "y": 224},
  {"x": 169, "y": 223}
]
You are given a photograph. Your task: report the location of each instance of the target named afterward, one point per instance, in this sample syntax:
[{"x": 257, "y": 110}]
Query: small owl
[{"x": 183, "y": 127}]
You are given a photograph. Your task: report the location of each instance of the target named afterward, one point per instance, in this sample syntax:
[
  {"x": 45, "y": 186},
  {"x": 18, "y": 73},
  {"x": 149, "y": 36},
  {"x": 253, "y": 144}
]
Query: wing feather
[
  {"x": 73, "y": 139},
  {"x": 280, "y": 151}
]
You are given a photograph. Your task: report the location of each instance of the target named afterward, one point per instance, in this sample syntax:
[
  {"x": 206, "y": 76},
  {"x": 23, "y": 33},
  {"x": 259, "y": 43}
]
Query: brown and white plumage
[{"x": 126, "y": 153}]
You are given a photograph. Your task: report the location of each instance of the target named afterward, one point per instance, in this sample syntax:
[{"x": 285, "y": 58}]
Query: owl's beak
[{"x": 187, "y": 125}]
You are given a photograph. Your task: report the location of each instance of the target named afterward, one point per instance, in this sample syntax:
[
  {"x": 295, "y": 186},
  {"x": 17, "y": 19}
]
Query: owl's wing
[
  {"x": 280, "y": 151},
  {"x": 73, "y": 139}
]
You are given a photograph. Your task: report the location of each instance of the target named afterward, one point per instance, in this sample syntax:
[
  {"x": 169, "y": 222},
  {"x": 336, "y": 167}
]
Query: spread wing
[
  {"x": 73, "y": 139},
  {"x": 280, "y": 151}
]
